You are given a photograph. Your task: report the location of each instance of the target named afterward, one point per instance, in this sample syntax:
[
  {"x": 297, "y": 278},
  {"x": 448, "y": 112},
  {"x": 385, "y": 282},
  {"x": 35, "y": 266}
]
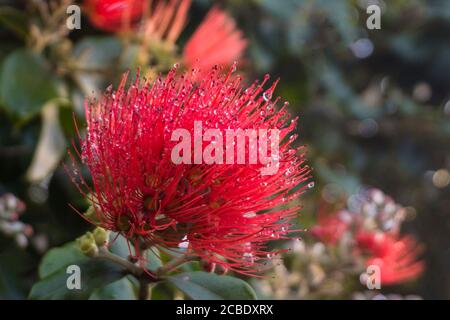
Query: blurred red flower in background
[
  {"x": 166, "y": 20},
  {"x": 329, "y": 230},
  {"x": 114, "y": 15},
  {"x": 216, "y": 41},
  {"x": 396, "y": 257},
  {"x": 372, "y": 223},
  {"x": 330, "y": 227},
  {"x": 221, "y": 213}
]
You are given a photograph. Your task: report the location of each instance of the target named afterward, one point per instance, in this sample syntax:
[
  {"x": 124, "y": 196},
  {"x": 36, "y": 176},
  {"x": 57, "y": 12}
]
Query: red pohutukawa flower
[
  {"x": 329, "y": 229},
  {"x": 216, "y": 41},
  {"x": 223, "y": 214},
  {"x": 396, "y": 257},
  {"x": 114, "y": 15}
]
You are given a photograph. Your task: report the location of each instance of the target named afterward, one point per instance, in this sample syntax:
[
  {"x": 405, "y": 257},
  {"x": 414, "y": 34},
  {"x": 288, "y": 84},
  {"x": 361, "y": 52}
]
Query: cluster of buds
[
  {"x": 91, "y": 241},
  {"x": 96, "y": 244},
  {"x": 10, "y": 210},
  {"x": 364, "y": 234}
]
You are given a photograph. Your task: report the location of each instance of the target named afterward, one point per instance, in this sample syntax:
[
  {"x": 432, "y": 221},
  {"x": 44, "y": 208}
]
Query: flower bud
[
  {"x": 87, "y": 245},
  {"x": 101, "y": 236}
]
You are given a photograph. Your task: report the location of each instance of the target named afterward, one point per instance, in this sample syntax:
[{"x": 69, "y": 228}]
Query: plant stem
[
  {"x": 144, "y": 277},
  {"x": 173, "y": 264},
  {"x": 132, "y": 268},
  {"x": 135, "y": 270},
  {"x": 144, "y": 289}
]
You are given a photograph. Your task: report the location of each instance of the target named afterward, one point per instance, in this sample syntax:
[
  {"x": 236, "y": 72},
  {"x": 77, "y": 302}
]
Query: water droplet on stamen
[{"x": 267, "y": 96}]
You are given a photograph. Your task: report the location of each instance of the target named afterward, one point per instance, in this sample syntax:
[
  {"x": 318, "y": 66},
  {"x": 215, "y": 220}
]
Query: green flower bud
[
  {"x": 101, "y": 236},
  {"x": 87, "y": 245}
]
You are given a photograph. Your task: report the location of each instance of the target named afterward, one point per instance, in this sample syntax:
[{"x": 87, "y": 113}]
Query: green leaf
[
  {"x": 95, "y": 274},
  {"x": 120, "y": 245},
  {"x": 201, "y": 285},
  {"x": 119, "y": 290},
  {"x": 153, "y": 259},
  {"x": 59, "y": 258},
  {"x": 26, "y": 83},
  {"x": 98, "y": 52},
  {"x": 98, "y": 59}
]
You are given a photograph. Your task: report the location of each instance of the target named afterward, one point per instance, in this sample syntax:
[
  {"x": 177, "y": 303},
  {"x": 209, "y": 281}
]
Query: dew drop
[
  {"x": 267, "y": 96},
  {"x": 250, "y": 214},
  {"x": 234, "y": 67}
]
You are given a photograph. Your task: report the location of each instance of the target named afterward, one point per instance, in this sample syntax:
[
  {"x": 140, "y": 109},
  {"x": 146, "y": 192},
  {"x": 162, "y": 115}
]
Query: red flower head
[
  {"x": 330, "y": 227},
  {"x": 223, "y": 213},
  {"x": 114, "y": 15},
  {"x": 215, "y": 42},
  {"x": 396, "y": 257}
]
